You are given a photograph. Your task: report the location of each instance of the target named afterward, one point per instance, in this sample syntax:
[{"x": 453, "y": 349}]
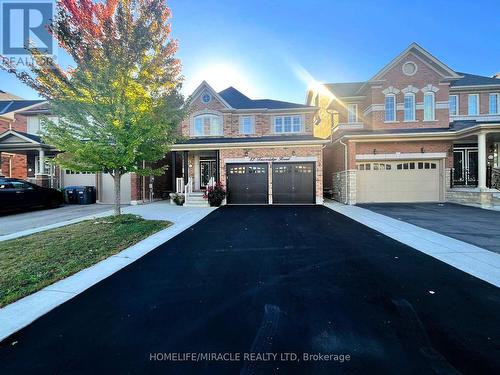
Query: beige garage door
[{"x": 401, "y": 181}]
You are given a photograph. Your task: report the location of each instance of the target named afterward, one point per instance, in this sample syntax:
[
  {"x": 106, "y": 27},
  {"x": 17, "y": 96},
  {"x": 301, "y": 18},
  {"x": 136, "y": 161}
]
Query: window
[
  {"x": 207, "y": 125},
  {"x": 494, "y": 103},
  {"x": 390, "y": 108},
  {"x": 288, "y": 124},
  {"x": 409, "y": 106},
  {"x": 453, "y": 105},
  {"x": 352, "y": 113},
  {"x": 206, "y": 97},
  {"x": 429, "y": 106},
  {"x": 33, "y": 124},
  {"x": 473, "y": 104},
  {"x": 247, "y": 125}
]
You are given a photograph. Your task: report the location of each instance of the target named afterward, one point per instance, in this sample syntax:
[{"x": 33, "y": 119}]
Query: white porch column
[
  {"x": 481, "y": 158},
  {"x": 41, "y": 161}
]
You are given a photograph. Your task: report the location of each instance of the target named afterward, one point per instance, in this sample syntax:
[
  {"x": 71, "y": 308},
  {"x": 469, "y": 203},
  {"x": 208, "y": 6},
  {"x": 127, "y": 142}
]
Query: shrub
[
  {"x": 178, "y": 199},
  {"x": 215, "y": 195}
]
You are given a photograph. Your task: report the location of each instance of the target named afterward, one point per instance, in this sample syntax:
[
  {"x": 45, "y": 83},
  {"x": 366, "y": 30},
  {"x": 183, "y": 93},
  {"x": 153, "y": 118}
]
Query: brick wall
[
  {"x": 231, "y": 120},
  {"x": 14, "y": 165}
]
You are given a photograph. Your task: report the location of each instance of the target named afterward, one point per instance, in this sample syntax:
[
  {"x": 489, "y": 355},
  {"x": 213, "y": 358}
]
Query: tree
[{"x": 120, "y": 105}]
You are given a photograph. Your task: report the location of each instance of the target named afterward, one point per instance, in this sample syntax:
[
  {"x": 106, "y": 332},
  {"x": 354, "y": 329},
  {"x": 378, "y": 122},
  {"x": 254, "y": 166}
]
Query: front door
[
  {"x": 208, "y": 169},
  {"x": 465, "y": 167}
]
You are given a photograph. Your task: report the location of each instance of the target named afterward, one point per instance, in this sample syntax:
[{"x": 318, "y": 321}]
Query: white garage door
[{"x": 398, "y": 181}]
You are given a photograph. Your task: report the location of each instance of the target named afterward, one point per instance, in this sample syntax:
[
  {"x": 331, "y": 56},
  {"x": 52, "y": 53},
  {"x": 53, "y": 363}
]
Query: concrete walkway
[
  {"x": 468, "y": 258},
  {"x": 15, "y": 222},
  {"x": 19, "y": 314}
]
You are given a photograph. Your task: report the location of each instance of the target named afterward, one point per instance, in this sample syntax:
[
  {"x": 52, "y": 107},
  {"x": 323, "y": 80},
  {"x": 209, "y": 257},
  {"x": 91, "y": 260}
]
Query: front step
[{"x": 196, "y": 200}]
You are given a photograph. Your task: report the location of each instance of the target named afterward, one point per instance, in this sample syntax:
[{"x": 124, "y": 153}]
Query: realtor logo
[{"x": 25, "y": 23}]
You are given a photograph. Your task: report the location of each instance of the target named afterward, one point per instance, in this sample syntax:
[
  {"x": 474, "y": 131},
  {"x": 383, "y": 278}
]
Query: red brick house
[
  {"x": 417, "y": 131},
  {"x": 262, "y": 150}
]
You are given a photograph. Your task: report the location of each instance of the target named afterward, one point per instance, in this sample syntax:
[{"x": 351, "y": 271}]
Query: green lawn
[{"x": 31, "y": 263}]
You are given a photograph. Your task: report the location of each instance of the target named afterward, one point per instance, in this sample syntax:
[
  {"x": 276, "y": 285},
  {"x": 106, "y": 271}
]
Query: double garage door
[
  {"x": 291, "y": 183},
  {"x": 401, "y": 181}
]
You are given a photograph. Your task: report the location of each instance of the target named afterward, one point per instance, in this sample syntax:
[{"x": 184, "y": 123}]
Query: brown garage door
[
  {"x": 247, "y": 183},
  {"x": 293, "y": 183}
]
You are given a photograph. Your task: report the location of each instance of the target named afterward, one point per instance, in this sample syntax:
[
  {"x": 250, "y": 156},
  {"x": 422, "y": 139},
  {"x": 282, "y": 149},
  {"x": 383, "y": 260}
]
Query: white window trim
[
  {"x": 478, "y": 105},
  {"x": 498, "y": 103},
  {"x": 431, "y": 93},
  {"x": 355, "y": 113},
  {"x": 414, "y": 117},
  {"x": 200, "y": 114},
  {"x": 385, "y": 108},
  {"x": 458, "y": 105},
  {"x": 283, "y": 124},
  {"x": 241, "y": 124}
]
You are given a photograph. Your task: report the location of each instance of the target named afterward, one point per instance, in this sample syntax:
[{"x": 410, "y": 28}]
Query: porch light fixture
[
  {"x": 450, "y": 151},
  {"x": 422, "y": 150},
  {"x": 374, "y": 151},
  {"x": 246, "y": 153},
  {"x": 293, "y": 153}
]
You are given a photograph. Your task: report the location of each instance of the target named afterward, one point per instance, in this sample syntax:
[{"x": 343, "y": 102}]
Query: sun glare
[{"x": 220, "y": 76}]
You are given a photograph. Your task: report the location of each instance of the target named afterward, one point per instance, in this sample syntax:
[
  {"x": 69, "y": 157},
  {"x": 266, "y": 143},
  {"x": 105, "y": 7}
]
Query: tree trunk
[{"x": 117, "y": 180}]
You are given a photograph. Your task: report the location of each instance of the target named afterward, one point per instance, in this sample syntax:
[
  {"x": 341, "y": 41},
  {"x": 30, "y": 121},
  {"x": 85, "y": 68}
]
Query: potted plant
[
  {"x": 178, "y": 199},
  {"x": 215, "y": 194}
]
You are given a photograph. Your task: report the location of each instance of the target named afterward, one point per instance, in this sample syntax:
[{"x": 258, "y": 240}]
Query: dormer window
[
  {"x": 352, "y": 113},
  {"x": 207, "y": 125},
  {"x": 390, "y": 108}
]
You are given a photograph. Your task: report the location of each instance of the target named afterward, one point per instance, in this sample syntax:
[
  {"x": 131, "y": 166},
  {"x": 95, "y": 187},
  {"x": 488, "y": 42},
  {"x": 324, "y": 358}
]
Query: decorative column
[
  {"x": 174, "y": 182},
  {"x": 481, "y": 158},
  {"x": 185, "y": 170}
]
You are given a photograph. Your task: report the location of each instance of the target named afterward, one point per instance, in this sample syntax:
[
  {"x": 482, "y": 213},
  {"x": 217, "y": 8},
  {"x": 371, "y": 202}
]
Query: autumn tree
[{"x": 119, "y": 105}]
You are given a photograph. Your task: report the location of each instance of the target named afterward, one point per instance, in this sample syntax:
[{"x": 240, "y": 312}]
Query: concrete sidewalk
[
  {"x": 19, "y": 314},
  {"x": 468, "y": 258}
]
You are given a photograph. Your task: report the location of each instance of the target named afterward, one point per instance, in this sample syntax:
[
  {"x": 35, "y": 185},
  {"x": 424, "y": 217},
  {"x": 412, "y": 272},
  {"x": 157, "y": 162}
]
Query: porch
[
  {"x": 193, "y": 171},
  {"x": 475, "y": 175},
  {"x": 35, "y": 165}
]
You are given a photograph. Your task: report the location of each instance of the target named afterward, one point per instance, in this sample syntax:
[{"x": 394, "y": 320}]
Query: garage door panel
[
  {"x": 401, "y": 182},
  {"x": 247, "y": 183},
  {"x": 293, "y": 183}
]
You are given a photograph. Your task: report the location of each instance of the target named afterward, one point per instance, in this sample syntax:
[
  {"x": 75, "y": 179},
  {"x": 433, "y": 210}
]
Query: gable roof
[
  {"x": 429, "y": 59},
  {"x": 237, "y": 100},
  {"x": 344, "y": 89},
  {"x": 474, "y": 80},
  {"x": 8, "y": 106},
  {"x": 205, "y": 86}
]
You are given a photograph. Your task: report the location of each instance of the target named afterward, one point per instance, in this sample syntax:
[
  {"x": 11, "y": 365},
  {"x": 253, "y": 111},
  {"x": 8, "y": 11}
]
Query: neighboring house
[
  {"x": 24, "y": 155},
  {"x": 417, "y": 131},
  {"x": 263, "y": 151}
]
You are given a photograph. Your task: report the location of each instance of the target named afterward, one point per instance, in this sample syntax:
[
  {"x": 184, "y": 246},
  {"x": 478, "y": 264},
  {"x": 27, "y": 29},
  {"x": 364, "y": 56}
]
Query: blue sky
[{"x": 273, "y": 49}]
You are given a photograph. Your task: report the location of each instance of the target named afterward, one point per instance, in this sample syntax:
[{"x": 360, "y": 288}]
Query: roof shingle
[{"x": 239, "y": 101}]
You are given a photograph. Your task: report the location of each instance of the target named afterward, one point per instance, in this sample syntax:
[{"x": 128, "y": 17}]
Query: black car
[{"x": 17, "y": 194}]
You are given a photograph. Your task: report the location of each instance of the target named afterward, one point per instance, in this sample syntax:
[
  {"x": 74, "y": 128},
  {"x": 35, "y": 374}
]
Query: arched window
[
  {"x": 429, "y": 106},
  {"x": 409, "y": 107},
  {"x": 207, "y": 125},
  {"x": 390, "y": 108}
]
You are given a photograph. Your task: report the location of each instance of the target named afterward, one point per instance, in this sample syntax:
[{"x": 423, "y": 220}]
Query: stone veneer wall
[{"x": 339, "y": 186}]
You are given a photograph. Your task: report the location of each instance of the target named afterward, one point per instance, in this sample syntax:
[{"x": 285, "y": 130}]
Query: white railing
[
  {"x": 179, "y": 185},
  {"x": 211, "y": 182},
  {"x": 188, "y": 189}
]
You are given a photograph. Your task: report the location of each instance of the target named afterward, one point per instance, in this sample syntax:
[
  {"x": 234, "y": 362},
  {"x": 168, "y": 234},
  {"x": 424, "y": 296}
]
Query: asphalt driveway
[
  {"x": 17, "y": 221},
  {"x": 469, "y": 224},
  {"x": 271, "y": 279}
]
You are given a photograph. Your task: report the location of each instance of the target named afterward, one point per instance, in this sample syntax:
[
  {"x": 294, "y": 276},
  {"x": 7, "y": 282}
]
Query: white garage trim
[{"x": 402, "y": 156}]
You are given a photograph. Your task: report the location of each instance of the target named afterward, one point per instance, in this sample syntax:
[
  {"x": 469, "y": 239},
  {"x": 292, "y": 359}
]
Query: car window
[
  {"x": 5, "y": 185},
  {"x": 21, "y": 185}
]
